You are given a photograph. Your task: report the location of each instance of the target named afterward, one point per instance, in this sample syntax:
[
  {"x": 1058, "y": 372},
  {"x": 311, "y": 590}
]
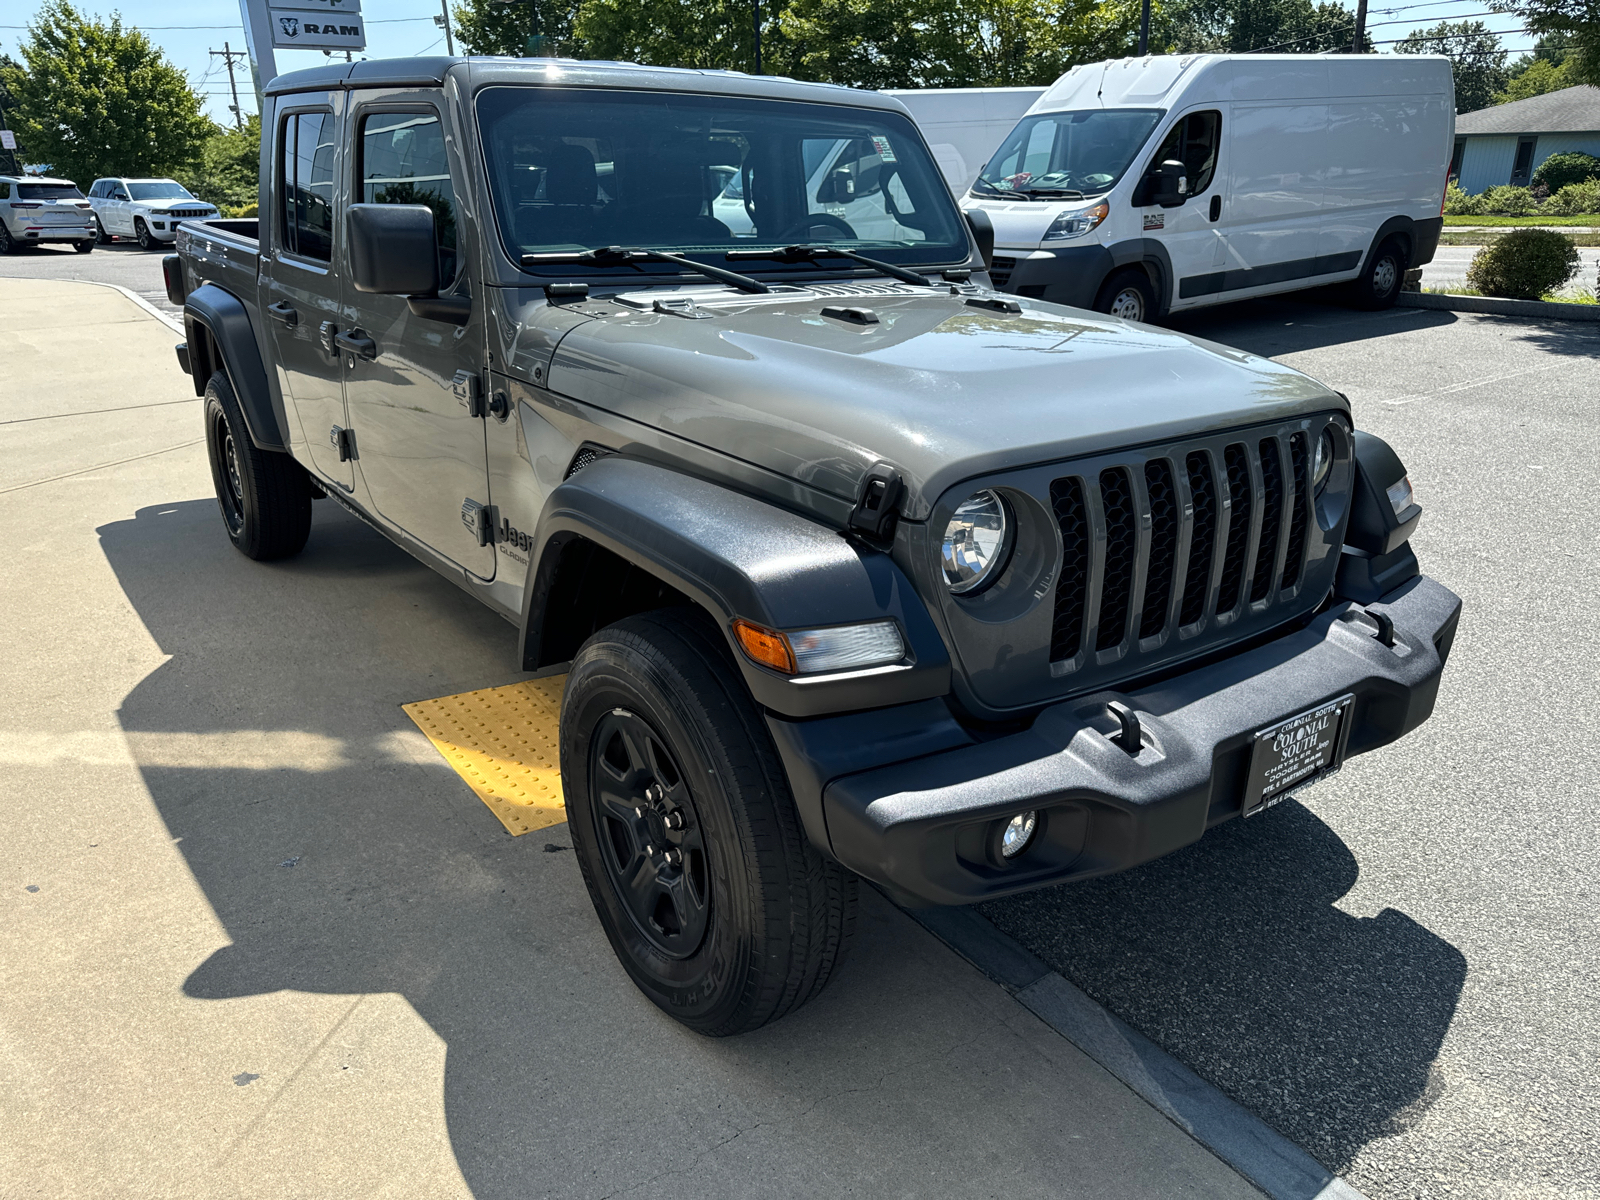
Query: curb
[
  {"x": 1544, "y": 309},
  {"x": 166, "y": 319},
  {"x": 1234, "y": 1134}
]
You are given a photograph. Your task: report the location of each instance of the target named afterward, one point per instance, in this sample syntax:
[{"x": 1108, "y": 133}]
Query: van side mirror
[
  {"x": 982, "y": 232},
  {"x": 1169, "y": 183},
  {"x": 394, "y": 250}
]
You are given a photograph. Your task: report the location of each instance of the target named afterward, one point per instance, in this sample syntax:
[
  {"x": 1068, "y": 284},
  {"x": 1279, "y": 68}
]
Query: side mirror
[
  {"x": 982, "y": 233},
  {"x": 1169, "y": 183},
  {"x": 394, "y": 250}
]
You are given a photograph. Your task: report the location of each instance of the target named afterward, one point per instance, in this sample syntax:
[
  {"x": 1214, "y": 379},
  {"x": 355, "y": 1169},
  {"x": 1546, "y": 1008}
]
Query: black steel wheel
[
  {"x": 720, "y": 910},
  {"x": 264, "y": 496},
  {"x": 147, "y": 240}
]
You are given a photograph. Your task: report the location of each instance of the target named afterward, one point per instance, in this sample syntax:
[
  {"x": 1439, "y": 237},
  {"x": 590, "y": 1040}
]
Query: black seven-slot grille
[{"x": 1163, "y": 548}]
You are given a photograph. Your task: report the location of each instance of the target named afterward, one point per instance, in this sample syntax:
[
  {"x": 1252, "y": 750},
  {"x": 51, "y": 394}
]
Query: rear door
[
  {"x": 113, "y": 209},
  {"x": 301, "y": 293},
  {"x": 422, "y": 449}
]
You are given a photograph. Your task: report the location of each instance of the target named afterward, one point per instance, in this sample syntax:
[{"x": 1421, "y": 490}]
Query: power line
[{"x": 228, "y": 54}]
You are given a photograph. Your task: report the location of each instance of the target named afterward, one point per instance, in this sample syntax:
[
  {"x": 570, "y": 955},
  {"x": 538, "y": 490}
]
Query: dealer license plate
[{"x": 1297, "y": 752}]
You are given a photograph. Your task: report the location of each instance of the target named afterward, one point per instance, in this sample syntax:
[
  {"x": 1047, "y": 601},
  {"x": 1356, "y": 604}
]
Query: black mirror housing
[
  {"x": 982, "y": 233},
  {"x": 394, "y": 250}
]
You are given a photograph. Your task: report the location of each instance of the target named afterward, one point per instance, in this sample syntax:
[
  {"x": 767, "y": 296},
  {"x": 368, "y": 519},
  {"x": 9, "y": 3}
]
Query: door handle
[
  {"x": 1216, "y": 207},
  {"x": 356, "y": 343},
  {"x": 284, "y": 311}
]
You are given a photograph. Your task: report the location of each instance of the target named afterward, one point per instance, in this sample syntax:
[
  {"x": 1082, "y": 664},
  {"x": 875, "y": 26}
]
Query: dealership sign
[{"x": 318, "y": 25}]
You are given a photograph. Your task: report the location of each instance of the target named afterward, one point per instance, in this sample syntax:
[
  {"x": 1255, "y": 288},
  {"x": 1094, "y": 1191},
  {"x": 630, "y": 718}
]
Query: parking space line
[{"x": 503, "y": 743}]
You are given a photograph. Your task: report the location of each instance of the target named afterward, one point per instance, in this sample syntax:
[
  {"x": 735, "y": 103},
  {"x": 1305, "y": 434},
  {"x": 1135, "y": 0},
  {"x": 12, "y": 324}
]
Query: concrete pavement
[{"x": 257, "y": 939}]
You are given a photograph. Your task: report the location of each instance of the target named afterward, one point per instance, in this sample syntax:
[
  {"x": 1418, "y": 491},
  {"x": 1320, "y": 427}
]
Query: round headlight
[
  {"x": 1322, "y": 462},
  {"x": 976, "y": 542}
]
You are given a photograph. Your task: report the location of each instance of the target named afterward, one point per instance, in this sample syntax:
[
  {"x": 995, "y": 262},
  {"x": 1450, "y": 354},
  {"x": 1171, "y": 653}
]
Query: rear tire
[
  {"x": 147, "y": 241},
  {"x": 718, "y": 907},
  {"x": 84, "y": 247},
  {"x": 264, "y": 496},
  {"x": 101, "y": 237},
  {"x": 1378, "y": 286},
  {"x": 1127, "y": 294},
  {"x": 8, "y": 244}
]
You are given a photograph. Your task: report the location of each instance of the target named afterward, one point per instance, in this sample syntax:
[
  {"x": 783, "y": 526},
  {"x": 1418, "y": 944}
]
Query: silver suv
[
  {"x": 145, "y": 209},
  {"x": 34, "y": 210}
]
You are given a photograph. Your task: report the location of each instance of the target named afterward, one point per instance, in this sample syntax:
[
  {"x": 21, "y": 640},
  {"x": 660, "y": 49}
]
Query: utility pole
[
  {"x": 228, "y": 54},
  {"x": 758, "y": 35},
  {"x": 1358, "y": 43},
  {"x": 444, "y": 24},
  {"x": 1144, "y": 28}
]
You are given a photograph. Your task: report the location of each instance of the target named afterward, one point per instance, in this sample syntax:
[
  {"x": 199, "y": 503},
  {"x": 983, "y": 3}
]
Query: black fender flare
[
  {"x": 736, "y": 556},
  {"x": 230, "y": 345},
  {"x": 1153, "y": 257},
  {"x": 1405, "y": 227}
]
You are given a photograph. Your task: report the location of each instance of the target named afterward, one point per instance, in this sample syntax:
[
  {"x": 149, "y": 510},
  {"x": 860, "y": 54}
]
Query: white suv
[
  {"x": 146, "y": 209},
  {"x": 34, "y": 210}
]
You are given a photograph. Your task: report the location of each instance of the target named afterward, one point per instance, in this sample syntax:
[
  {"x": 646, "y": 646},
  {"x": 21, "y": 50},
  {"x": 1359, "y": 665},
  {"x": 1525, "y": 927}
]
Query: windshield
[
  {"x": 1067, "y": 152},
  {"x": 577, "y": 170},
  {"x": 163, "y": 189},
  {"x": 48, "y": 191}
]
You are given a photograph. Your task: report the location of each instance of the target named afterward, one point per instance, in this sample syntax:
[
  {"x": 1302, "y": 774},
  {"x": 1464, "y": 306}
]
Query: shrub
[
  {"x": 1461, "y": 204},
  {"x": 1559, "y": 170},
  {"x": 1574, "y": 200},
  {"x": 1524, "y": 264},
  {"x": 244, "y": 210},
  {"x": 1508, "y": 202}
]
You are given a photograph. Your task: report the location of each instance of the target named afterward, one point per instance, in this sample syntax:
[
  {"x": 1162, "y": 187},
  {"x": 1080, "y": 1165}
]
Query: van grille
[
  {"x": 1000, "y": 269},
  {"x": 1154, "y": 553}
]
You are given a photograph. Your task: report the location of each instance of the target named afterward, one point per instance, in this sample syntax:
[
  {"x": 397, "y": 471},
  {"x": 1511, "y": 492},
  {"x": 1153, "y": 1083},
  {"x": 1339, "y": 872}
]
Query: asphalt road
[
  {"x": 1399, "y": 972},
  {"x": 121, "y": 263}
]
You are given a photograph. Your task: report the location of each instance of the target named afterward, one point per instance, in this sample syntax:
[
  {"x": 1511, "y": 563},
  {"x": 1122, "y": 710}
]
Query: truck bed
[{"x": 224, "y": 252}]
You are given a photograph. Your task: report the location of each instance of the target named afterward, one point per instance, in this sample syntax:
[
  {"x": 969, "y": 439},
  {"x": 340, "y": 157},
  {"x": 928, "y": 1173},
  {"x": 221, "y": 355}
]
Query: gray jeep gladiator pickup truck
[{"x": 855, "y": 567}]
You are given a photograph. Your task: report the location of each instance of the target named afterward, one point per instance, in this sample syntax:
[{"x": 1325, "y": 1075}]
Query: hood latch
[{"x": 876, "y": 511}]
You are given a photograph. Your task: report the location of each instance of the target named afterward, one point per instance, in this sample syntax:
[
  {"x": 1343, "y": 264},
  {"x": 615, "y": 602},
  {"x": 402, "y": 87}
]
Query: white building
[{"x": 1506, "y": 143}]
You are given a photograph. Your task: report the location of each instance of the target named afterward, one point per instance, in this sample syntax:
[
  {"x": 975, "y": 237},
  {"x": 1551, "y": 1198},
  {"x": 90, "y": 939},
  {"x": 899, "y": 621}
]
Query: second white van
[{"x": 1146, "y": 186}]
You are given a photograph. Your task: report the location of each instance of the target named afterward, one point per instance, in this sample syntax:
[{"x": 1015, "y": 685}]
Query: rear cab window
[{"x": 306, "y": 145}]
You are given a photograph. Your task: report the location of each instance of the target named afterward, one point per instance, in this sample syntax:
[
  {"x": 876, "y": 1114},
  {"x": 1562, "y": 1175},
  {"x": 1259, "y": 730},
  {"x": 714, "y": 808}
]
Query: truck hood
[{"x": 940, "y": 387}]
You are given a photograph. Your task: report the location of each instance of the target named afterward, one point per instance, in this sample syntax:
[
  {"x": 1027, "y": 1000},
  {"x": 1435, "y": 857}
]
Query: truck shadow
[
  {"x": 342, "y": 857},
  {"x": 1232, "y": 956}
]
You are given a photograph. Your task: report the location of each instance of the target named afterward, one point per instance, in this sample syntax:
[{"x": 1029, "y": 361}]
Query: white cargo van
[
  {"x": 1150, "y": 185},
  {"x": 964, "y": 125}
]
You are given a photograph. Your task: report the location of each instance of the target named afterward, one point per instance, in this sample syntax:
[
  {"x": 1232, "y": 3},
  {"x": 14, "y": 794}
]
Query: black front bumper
[
  {"x": 927, "y": 828},
  {"x": 1071, "y": 275}
]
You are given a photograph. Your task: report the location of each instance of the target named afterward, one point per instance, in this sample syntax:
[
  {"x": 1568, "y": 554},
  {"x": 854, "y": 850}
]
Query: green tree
[
  {"x": 229, "y": 171},
  {"x": 10, "y": 160},
  {"x": 718, "y": 34},
  {"x": 96, "y": 99},
  {"x": 1246, "y": 26},
  {"x": 1536, "y": 78},
  {"x": 507, "y": 27},
  {"x": 1575, "y": 22},
  {"x": 1477, "y": 60}
]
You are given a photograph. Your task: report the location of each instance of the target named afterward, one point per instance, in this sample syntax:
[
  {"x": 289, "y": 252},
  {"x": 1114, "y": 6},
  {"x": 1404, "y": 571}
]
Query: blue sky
[{"x": 398, "y": 28}]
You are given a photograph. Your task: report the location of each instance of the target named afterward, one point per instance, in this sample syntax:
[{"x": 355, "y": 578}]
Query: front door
[
  {"x": 300, "y": 300},
  {"x": 1191, "y": 232},
  {"x": 422, "y": 450}
]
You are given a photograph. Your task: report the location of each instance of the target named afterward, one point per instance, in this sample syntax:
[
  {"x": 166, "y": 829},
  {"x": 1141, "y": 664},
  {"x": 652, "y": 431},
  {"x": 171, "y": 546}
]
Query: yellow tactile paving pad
[{"x": 502, "y": 741}]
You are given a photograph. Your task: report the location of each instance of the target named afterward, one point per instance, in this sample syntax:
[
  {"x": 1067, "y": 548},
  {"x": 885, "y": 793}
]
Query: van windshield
[
  {"x": 575, "y": 170},
  {"x": 1067, "y": 154}
]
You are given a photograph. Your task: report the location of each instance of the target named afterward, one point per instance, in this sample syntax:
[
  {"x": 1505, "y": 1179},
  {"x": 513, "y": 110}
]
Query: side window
[
  {"x": 1193, "y": 141},
  {"x": 305, "y": 172},
  {"x": 403, "y": 162}
]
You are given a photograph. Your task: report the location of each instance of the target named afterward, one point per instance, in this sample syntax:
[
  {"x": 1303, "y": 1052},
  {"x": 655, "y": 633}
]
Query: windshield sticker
[
  {"x": 884, "y": 149},
  {"x": 1155, "y": 220}
]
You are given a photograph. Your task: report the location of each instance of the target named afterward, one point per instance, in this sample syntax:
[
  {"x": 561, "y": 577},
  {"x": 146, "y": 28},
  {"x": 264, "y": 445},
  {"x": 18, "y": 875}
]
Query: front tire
[
  {"x": 8, "y": 244},
  {"x": 147, "y": 240},
  {"x": 1378, "y": 287},
  {"x": 264, "y": 496},
  {"x": 720, "y": 910},
  {"x": 1127, "y": 294}
]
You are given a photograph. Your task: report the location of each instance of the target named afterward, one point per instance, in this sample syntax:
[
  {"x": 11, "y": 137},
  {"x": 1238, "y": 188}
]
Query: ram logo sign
[{"x": 330, "y": 27}]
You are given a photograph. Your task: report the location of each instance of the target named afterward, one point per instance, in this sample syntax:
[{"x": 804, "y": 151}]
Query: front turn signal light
[{"x": 812, "y": 651}]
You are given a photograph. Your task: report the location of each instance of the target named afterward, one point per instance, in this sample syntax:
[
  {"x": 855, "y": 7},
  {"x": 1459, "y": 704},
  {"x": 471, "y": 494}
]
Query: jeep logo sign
[{"x": 331, "y": 27}]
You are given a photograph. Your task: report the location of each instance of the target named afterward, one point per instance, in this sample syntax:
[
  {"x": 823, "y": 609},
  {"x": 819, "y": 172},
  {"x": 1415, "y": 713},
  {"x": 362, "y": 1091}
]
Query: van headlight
[
  {"x": 976, "y": 543},
  {"x": 1076, "y": 223}
]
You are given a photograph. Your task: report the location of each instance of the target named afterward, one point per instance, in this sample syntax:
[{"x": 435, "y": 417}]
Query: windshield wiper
[
  {"x": 1064, "y": 193},
  {"x": 606, "y": 256},
  {"x": 983, "y": 185},
  {"x": 798, "y": 254}
]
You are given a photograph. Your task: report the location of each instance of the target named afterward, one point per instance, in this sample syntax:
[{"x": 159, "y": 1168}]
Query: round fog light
[{"x": 1018, "y": 833}]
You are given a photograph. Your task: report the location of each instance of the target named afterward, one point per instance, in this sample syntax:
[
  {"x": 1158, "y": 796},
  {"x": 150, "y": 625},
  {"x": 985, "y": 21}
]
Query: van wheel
[
  {"x": 142, "y": 232},
  {"x": 264, "y": 496},
  {"x": 720, "y": 910},
  {"x": 1127, "y": 294},
  {"x": 1379, "y": 285}
]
